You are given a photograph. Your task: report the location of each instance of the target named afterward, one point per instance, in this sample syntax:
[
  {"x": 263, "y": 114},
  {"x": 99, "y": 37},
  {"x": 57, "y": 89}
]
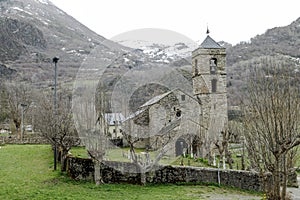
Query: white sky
[{"x": 229, "y": 20}]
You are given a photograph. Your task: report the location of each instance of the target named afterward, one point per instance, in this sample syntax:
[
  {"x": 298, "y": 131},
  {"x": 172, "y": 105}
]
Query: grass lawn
[
  {"x": 26, "y": 172},
  {"x": 116, "y": 154}
]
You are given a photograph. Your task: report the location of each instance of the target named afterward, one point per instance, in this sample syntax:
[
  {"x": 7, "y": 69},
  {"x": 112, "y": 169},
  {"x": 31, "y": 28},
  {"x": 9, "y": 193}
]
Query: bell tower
[{"x": 209, "y": 87}]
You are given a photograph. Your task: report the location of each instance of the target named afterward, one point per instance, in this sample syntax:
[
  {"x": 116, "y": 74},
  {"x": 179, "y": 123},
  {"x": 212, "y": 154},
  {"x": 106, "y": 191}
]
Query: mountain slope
[
  {"x": 279, "y": 40},
  {"x": 6, "y": 72},
  {"x": 17, "y": 36},
  {"x": 48, "y": 27},
  {"x": 32, "y": 32},
  {"x": 277, "y": 46}
]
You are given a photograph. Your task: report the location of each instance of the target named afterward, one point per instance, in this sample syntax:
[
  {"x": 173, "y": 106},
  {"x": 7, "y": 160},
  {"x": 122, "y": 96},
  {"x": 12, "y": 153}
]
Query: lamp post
[
  {"x": 23, "y": 106},
  {"x": 55, "y": 60}
]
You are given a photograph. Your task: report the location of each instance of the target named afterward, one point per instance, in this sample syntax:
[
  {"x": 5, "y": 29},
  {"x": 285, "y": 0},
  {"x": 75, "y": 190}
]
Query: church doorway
[{"x": 180, "y": 146}]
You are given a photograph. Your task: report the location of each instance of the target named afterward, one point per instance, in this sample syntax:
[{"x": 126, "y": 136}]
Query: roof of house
[
  {"x": 155, "y": 99},
  {"x": 134, "y": 114},
  {"x": 114, "y": 118},
  {"x": 209, "y": 43}
]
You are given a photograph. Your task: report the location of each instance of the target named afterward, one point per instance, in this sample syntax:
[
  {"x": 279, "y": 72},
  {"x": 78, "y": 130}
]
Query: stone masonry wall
[
  {"x": 83, "y": 169},
  {"x": 26, "y": 140}
]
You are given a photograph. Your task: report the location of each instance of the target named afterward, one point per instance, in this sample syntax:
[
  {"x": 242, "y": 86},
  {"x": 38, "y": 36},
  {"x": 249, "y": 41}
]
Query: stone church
[{"x": 196, "y": 122}]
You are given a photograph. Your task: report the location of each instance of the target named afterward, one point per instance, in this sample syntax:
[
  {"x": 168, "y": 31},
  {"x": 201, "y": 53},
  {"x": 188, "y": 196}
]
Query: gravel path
[
  {"x": 234, "y": 197},
  {"x": 295, "y": 191}
]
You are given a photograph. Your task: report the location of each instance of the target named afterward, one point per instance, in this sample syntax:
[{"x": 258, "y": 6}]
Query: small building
[{"x": 114, "y": 121}]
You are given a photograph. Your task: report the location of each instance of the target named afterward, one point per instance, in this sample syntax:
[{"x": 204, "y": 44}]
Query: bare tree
[
  {"x": 90, "y": 105},
  {"x": 57, "y": 127},
  {"x": 271, "y": 122},
  {"x": 292, "y": 157},
  {"x": 96, "y": 144},
  {"x": 236, "y": 129},
  {"x": 99, "y": 143},
  {"x": 3, "y": 103},
  {"x": 17, "y": 95},
  {"x": 223, "y": 148},
  {"x": 166, "y": 136}
]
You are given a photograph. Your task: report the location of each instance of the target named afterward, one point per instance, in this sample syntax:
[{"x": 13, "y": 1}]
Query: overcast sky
[{"x": 232, "y": 21}]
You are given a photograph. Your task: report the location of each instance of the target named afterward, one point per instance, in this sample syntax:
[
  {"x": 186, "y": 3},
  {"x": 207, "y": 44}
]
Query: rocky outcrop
[
  {"x": 6, "y": 72},
  {"x": 16, "y": 37}
]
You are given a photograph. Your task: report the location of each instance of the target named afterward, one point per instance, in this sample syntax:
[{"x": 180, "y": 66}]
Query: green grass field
[
  {"x": 26, "y": 172},
  {"x": 115, "y": 154}
]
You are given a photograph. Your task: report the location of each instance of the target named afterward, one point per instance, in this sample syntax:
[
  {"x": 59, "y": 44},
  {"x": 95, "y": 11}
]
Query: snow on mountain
[
  {"x": 162, "y": 53},
  {"x": 43, "y": 1}
]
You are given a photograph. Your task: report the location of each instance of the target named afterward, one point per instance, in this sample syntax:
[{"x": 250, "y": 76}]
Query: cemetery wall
[{"x": 119, "y": 172}]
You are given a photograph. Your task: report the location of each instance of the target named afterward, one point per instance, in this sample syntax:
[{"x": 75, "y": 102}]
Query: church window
[
  {"x": 196, "y": 67},
  {"x": 213, "y": 66},
  {"x": 178, "y": 113},
  {"x": 183, "y": 97},
  {"x": 214, "y": 85}
]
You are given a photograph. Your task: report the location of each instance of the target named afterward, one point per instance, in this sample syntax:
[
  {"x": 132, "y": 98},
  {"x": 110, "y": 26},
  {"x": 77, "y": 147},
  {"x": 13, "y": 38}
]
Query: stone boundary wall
[
  {"x": 26, "y": 140},
  {"x": 83, "y": 169}
]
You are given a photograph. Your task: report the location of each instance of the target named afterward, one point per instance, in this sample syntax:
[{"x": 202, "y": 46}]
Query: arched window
[
  {"x": 196, "y": 67},
  {"x": 213, "y": 65},
  {"x": 214, "y": 85},
  {"x": 178, "y": 113}
]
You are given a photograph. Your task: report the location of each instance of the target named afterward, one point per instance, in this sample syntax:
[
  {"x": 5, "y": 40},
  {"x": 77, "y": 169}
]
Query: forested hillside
[{"x": 277, "y": 46}]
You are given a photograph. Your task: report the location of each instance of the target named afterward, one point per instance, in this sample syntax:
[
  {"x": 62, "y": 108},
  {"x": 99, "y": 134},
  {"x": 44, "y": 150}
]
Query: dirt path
[
  {"x": 295, "y": 191},
  {"x": 234, "y": 197}
]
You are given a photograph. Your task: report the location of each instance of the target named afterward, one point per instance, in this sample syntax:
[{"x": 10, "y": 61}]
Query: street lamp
[
  {"x": 55, "y": 60},
  {"x": 23, "y": 106}
]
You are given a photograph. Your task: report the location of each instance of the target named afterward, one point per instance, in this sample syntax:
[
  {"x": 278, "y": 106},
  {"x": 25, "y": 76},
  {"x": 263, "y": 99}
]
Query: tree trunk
[
  {"x": 276, "y": 177},
  {"x": 285, "y": 175},
  {"x": 98, "y": 176},
  {"x": 63, "y": 160},
  {"x": 229, "y": 158},
  {"x": 143, "y": 177},
  {"x": 243, "y": 156},
  {"x": 17, "y": 125}
]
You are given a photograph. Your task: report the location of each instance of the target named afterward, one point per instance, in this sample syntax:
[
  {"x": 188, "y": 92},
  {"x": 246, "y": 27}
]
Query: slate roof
[
  {"x": 209, "y": 43},
  {"x": 155, "y": 99},
  {"x": 134, "y": 114},
  {"x": 114, "y": 118}
]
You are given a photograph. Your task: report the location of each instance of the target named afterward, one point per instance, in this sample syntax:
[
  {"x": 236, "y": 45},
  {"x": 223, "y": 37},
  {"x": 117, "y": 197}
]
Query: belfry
[{"x": 209, "y": 87}]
